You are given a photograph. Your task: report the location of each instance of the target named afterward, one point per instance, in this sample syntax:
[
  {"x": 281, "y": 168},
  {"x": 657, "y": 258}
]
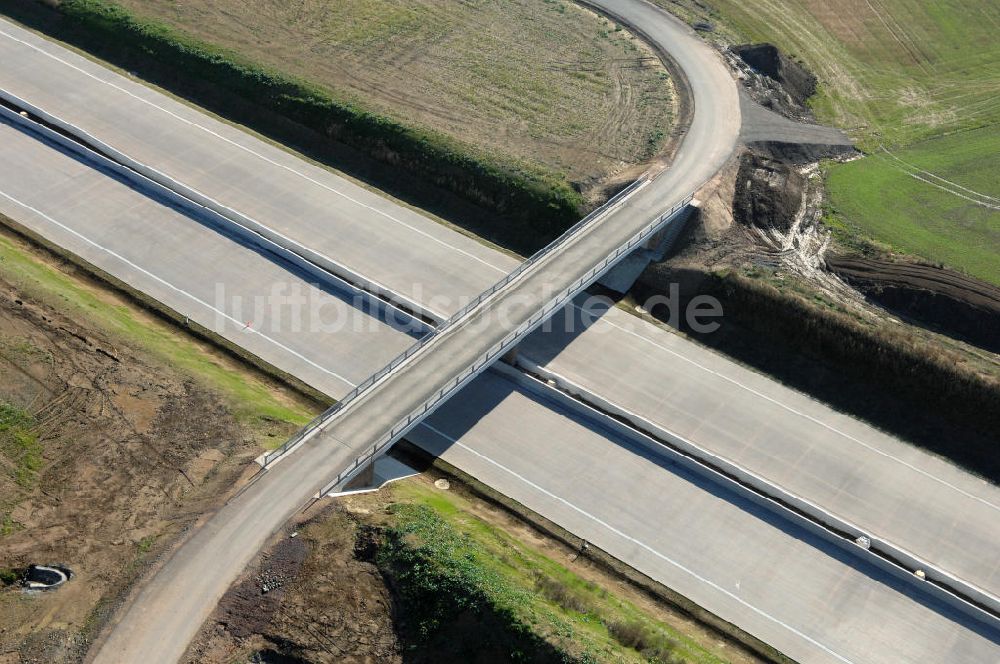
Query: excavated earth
[
  {"x": 768, "y": 192},
  {"x": 774, "y": 80},
  {"x": 948, "y": 300},
  {"x": 131, "y": 452}
]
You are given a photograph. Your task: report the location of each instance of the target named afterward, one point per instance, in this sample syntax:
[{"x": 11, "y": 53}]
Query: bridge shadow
[{"x": 475, "y": 419}]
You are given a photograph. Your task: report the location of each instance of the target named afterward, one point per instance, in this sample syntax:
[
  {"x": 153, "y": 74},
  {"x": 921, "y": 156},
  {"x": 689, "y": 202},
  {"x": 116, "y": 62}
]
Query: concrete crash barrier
[
  {"x": 46, "y": 577},
  {"x": 96, "y": 151},
  {"x": 898, "y": 562}
]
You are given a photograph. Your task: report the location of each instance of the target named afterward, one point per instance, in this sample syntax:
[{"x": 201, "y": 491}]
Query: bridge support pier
[{"x": 363, "y": 480}]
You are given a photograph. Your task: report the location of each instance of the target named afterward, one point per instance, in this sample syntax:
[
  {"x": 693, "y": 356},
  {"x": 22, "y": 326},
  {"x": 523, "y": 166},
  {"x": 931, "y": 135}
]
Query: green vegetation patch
[
  {"x": 19, "y": 444},
  {"x": 891, "y": 71},
  {"x": 900, "y": 199},
  {"x": 9, "y": 576},
  {"x": 898, "y": 73},
  {"x": 453, "y": 569}
]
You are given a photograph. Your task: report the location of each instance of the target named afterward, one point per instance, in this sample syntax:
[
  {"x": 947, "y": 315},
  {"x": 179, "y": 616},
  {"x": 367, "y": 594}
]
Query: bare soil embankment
[
  {"x": 118, "y": 453},
  {"x": 947, "y": 300},
  {"x": 776, "y": 81}
]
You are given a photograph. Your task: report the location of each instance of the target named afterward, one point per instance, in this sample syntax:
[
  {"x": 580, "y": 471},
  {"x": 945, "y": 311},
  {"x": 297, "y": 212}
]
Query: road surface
[
  {"x": 229, "y": 288},
  {"x": 169, "y": 610},
  {"x": 913, "y": 499},
  {"x": 329, "y": 214},
  {"x": 490, "y": 417},
  {"x": 814, "y": 603},
  {"x": 355, "y": 215}
]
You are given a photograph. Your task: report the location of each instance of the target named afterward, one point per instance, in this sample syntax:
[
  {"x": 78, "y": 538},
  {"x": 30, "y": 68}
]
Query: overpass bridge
[
  {"x": 173, "y": 603},
  {"x": 374, "y": 415},
  {"x": 381, "y": 409}
]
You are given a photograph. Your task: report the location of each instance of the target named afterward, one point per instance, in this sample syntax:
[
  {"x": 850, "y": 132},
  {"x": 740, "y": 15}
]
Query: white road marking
[
  {"x": 640, "y": 544},
  {"x": 788, "y": 408},
  {"x": 388, "y": 216},
  {"x": 241, "y": 326},
  {"x": 256, "y": 154}
]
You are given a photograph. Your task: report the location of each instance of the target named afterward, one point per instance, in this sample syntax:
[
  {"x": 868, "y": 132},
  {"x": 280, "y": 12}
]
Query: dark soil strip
[{"x": 949, "y": 301}]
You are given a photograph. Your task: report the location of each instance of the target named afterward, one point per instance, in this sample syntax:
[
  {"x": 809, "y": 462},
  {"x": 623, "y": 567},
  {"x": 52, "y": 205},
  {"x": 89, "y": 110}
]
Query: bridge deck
[{"x": 463, "y": 347}]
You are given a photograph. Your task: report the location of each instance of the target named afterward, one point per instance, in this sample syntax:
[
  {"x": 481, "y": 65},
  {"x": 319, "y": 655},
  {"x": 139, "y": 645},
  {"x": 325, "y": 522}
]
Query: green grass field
[
  {"x": 878, "y": 197},
  {"x": 892, "y": 71},
  {"x": 903, "y": 74}
]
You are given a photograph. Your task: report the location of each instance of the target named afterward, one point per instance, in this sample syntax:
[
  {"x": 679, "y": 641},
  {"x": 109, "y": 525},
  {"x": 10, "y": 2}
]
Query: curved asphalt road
[{"x": 168, "y": 611}]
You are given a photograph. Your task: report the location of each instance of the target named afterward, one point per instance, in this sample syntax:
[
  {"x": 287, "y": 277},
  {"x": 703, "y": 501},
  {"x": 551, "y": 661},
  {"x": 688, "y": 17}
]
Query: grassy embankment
[
  {"x": 500, "y": 103},
  {"x": 455, "y": 570},
  {"x": 919, "y": 79},
  {"x": 251, "y": 398}
]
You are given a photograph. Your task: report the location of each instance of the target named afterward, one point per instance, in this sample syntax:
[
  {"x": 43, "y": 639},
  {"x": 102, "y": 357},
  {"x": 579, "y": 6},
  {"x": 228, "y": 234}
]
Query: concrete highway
[
  {"x": 868, "y": 486},
  {"x": 520, "y": 445},
  {"x": 914, "y": 499},
  {"x": 775, "y": 580},
  {"x": 478, "y": 265},
  {"x": 166, "y": 613},
  {"x": 192, "y": 268},
  {"x": 330, "y": 214}
]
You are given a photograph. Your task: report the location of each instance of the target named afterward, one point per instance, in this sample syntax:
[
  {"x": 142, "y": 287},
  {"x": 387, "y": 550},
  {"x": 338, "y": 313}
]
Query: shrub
[{"x": 8, "y": 576}]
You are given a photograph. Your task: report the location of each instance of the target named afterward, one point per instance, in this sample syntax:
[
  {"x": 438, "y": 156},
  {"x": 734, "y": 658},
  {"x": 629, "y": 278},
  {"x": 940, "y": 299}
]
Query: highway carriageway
[
  {"x": 711, "y": 473},
  {"x": 506, "y": 314},
  {"x": 660, "y": 372}
]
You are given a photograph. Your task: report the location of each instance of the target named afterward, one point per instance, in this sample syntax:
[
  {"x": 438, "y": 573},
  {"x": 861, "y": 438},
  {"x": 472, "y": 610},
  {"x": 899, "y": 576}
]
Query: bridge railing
[
  {"x": 546, "y": 250},
  {"x": 501, "y": 347},
  {"x": 317, "y": 423}
]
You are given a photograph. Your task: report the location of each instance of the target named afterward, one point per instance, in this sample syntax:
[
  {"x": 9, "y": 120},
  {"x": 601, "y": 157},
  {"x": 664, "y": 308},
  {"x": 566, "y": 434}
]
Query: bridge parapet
[{"x": 483, "y": 360}]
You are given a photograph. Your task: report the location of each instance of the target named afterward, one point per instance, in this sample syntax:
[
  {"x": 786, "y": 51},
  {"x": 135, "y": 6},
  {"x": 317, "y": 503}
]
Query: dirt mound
[
  {"x": 773, "y": 80},
  {"x": 768, "y": 193},
  {"x": 951, "y": 301},
  {"x": 767, "y": 60},
  {"x": 249, "y": 606},
  {"x": 326, "y": 601},
  {"x": 801, "y": 153}
]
